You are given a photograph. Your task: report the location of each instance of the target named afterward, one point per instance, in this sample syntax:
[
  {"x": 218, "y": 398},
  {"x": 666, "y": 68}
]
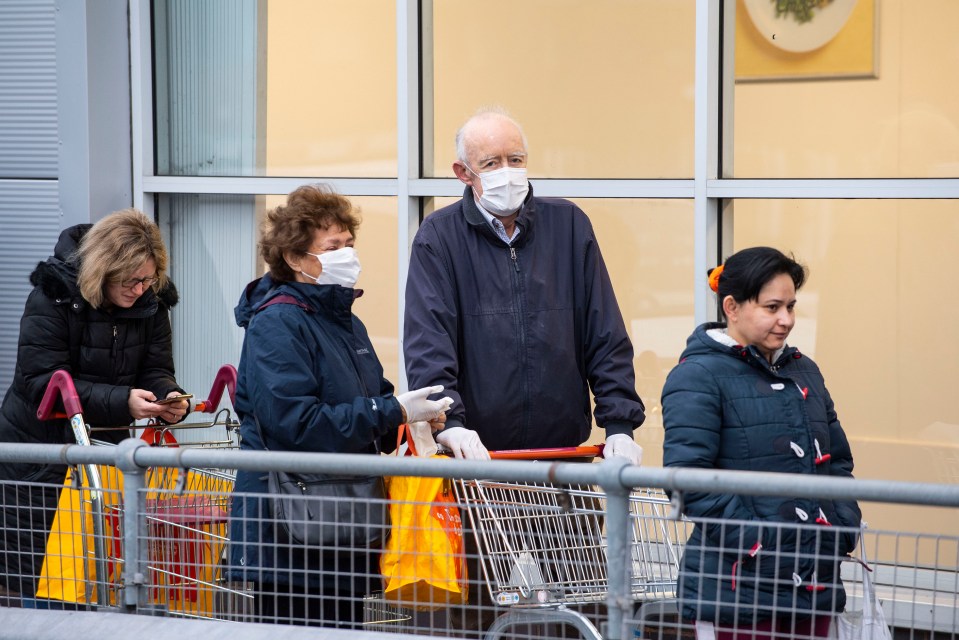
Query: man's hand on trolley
[
  {"x": 463, "y": 443},
  {"x": 620, "y": 445}
]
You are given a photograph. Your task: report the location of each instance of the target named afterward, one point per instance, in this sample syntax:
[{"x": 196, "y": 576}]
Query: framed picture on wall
[{"x": 806, "y": 39}]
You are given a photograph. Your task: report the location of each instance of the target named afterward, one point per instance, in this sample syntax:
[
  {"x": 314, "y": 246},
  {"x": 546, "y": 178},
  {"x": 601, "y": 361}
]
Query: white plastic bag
[{"x": 870, "y": 623}]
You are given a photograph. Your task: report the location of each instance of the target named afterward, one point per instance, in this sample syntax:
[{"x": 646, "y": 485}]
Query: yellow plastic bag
[
  {"x": 423, "y": 564},
  {"x": 69, "y": 571}
]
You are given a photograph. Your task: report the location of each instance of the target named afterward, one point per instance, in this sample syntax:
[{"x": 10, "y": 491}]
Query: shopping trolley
[
  {"x": 543, "y": 547},
  {"x": 186, "y": 511}
]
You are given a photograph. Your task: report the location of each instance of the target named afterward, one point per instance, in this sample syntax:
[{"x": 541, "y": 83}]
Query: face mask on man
[
  {"x": 504, "y": 190},
  {"x": 340, "y": 267}
]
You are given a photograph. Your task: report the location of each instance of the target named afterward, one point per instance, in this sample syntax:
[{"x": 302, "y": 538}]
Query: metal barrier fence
[{"x": 552, "y": 549}]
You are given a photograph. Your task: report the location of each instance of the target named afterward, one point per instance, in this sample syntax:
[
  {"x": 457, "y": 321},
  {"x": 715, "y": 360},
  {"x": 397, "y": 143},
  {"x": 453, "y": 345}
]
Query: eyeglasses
[{"x": 132, "y": 282}]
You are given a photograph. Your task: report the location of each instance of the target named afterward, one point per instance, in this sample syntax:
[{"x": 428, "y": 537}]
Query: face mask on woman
[
  {"x": 340, "y": 267},
  {"x": 504, "y": 190}
]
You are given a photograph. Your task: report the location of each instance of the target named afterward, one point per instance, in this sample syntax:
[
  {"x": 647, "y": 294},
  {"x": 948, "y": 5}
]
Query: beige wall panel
[
  {"x": 902, "y": 123},
  {"x": 331, "y": 88},
  {"x": 602, "y": 88}
]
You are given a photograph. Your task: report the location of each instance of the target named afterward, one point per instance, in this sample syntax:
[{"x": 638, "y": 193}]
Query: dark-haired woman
[
  {"x": 309, "y": 380},
  {"x": 99, "y": 311},
  {"x": 741, "y": 398}
]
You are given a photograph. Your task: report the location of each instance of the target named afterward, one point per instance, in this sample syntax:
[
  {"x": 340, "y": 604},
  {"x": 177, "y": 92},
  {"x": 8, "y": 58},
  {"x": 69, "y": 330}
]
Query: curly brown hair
[
  {"x": 291, "y": 227},
  {"x": 115, "y": 247}
]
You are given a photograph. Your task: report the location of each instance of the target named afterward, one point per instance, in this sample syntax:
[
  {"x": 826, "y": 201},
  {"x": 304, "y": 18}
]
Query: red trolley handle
[
  {"x": 225, "y": 378},
  {"x": 549, "y": 453},
  {"x": 60, "y": 387}
]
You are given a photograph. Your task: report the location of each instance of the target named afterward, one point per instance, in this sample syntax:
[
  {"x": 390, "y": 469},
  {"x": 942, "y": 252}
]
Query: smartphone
[{"x": 173, "y": 399}]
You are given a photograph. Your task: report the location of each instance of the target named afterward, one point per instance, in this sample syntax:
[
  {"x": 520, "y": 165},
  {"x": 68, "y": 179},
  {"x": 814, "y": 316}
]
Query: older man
[{"x": 509, "y": 306}]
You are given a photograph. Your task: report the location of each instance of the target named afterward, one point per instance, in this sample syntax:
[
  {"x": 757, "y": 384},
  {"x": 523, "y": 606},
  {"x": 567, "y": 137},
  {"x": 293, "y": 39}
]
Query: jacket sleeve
[
  {"x": 693, "y": 421},
  {"x": 608, "y": 351},
  {"x": 278, "y": 364},
  {"x": 841, "y": 465},
  {"x": 156, "y": 372},
  {"x": 431, "y": 322},
  {"x": 44, "y": 348}
]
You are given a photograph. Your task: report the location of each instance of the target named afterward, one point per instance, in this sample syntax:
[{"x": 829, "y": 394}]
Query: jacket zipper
[
  {"x": 113, "y": 347},
  {"x": 521, "y": 332}
]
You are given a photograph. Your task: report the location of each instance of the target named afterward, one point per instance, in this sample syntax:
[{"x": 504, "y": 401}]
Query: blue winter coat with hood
[
  {"x": 726, "y": 407},
  {"x": 309, "y": 373}
]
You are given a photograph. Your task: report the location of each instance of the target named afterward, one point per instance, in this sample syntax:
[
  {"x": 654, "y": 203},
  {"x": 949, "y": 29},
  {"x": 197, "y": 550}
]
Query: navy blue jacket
[
  {"x": 726, "y": 407},
  {"x": 518, "y": 335},
  {"x": 309, "y": 373}
]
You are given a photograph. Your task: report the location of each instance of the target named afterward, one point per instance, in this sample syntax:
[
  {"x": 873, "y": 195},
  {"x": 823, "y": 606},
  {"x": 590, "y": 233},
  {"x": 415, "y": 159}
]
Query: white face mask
[
  {"x": 504, "y": 190},
  {"x": 340, "y": 267}
]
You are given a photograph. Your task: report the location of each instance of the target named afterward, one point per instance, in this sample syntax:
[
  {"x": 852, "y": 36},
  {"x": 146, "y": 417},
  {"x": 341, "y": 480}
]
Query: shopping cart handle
[
  {"x": 225, "y": 378},
  {"x": 60, "y": 386},
  {"x": 549, "y": 453}
]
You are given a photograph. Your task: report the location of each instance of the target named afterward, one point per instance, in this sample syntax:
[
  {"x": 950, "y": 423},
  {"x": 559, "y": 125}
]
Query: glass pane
[
  {"x": 602, "y": 88},
  {"x": 278, "y": 88},
  {"x": 878, "y": 315},
  {"x": 211, "y": 244},
  {"x": 871, "y": 101},
  {"x": 648, "y": 249}
]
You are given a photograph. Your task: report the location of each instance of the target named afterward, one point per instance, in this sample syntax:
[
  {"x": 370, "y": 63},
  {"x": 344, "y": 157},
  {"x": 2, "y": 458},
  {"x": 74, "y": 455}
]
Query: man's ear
[{"x": 462, "y": 173}]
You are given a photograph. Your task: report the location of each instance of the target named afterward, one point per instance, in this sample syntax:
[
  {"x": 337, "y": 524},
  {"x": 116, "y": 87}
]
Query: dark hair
[
  {"x": 746, "y": 272},
  {"x": 291, "y": 227}
]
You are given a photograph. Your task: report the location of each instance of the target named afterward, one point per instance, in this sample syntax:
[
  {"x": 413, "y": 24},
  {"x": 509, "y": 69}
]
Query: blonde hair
[{"x": 115, "y": 248}]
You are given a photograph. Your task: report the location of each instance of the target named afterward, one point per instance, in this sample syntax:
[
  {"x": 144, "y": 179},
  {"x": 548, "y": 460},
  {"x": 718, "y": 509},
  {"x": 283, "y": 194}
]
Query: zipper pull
[
  {"x": 512, "y": 255},
  {"x": 113, "y": 348}
]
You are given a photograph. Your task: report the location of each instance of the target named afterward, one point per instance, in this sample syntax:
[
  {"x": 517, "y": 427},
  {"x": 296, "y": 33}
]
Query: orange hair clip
[{"x": 714, "y": 278}]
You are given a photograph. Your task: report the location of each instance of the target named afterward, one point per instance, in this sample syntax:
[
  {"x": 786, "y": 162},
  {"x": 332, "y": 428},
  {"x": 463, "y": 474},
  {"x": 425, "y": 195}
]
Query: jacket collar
[
  {"x": 57, "y": 279},
  {"x": 474, "y": 217},
  {"x": 713, "y": 336},
  {"x": 327, "y": 299}
]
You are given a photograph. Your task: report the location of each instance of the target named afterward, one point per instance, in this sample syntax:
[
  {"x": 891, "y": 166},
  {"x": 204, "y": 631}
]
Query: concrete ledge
[{"x": 38, "y": 624}]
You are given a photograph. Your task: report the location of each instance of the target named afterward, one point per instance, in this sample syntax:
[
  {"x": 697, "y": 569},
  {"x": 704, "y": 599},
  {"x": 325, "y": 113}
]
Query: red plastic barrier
[
  {"x": 225, "y": 379},
  {"x": 554, "y": 453},
  {"x": 60, "y": 387}
]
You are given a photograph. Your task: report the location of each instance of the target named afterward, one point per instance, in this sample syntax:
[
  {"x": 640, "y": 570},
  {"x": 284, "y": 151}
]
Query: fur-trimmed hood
[{"x": 57, "y": 275}]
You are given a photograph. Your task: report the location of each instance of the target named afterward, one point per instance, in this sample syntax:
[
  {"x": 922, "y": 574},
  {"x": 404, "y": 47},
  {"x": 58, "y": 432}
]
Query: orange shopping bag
[{"x": 423, "y": 564}]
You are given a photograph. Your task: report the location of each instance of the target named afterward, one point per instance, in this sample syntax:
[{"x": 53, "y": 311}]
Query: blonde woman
[{"x": 98, "y": 310}]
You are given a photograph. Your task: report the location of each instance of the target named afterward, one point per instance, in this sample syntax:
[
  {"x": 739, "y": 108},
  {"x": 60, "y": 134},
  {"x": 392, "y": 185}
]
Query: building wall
[{"x": 29, "y": 197}]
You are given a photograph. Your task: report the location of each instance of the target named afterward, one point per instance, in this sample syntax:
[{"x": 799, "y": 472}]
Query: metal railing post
[
  {"x": 135, "y": 592},
  {"x": 619, "y": 599}
]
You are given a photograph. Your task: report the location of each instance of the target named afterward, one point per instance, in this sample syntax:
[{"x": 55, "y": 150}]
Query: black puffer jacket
[
  {"x": 106, "y": 352},
  {"x": 726, "y": 407}
]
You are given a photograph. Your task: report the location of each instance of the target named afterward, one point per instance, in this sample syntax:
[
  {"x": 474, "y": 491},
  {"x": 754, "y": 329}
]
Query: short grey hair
[{"x": 483, "y": 113}]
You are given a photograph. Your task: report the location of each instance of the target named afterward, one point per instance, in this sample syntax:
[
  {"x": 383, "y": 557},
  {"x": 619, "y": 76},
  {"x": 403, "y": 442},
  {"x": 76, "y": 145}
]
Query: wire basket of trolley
[
  {"x": 543, "y": 546},
  {"x": 185, "y": 511}
]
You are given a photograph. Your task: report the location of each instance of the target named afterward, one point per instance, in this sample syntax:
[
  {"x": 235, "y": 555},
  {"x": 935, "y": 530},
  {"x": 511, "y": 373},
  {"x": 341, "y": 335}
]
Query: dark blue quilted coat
[{"x": 726, "y": 407}]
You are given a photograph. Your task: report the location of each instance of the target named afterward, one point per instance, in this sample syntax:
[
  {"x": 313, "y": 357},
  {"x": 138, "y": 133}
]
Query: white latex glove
[
  {"x": 421, "y": 433},
  {"x": 620, "y": 445},
  {"x": 418, "y": 408},
  {"x": 463, "y": 442}
]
